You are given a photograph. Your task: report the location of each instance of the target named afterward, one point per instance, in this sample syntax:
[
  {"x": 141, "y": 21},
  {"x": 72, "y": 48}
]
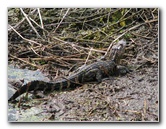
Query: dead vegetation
[{"x": 64, "y": 37}]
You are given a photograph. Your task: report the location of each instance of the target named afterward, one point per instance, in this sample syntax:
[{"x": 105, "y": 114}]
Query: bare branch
[{"x": 26, "y": 16}]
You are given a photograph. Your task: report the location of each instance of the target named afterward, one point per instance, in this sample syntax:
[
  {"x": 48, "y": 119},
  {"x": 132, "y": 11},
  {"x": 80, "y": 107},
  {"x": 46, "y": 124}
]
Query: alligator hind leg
[{"x": 93, "y": 75}]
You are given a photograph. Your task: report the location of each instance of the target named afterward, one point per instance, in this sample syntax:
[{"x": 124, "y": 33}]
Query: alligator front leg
[{"x": 122, "y": 70}]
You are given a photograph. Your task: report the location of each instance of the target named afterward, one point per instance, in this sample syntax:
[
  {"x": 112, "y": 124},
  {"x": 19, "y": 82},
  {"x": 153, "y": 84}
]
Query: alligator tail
[{"x": 44, "y": 86}]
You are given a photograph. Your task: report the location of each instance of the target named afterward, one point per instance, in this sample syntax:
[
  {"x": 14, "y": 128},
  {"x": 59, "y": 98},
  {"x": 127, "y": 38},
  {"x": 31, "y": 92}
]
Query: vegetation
[{"x": 65, "y": 36}]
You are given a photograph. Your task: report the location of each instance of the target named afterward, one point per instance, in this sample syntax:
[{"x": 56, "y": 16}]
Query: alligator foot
[{"x": 122, "y": 70}]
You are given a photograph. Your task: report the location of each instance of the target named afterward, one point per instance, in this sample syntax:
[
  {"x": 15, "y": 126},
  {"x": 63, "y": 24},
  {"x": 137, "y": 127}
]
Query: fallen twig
[
  {"x": 28, "y": 40},
  {"x": 26, "y": 16},
  {"x": 27, "y": 62},
  {"x": 61, "y": 20}
]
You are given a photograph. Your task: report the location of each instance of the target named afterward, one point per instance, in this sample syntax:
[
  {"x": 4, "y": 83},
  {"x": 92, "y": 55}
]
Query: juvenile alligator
[{"x": 90, "y": 73}]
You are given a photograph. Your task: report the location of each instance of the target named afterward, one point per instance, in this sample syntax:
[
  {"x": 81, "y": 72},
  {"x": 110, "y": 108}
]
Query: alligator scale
[{"x": 90, "y": 73}]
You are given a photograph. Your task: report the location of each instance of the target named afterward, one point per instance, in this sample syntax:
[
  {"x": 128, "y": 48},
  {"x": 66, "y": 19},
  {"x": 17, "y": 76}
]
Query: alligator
[{"x": 94, "y": 72}]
